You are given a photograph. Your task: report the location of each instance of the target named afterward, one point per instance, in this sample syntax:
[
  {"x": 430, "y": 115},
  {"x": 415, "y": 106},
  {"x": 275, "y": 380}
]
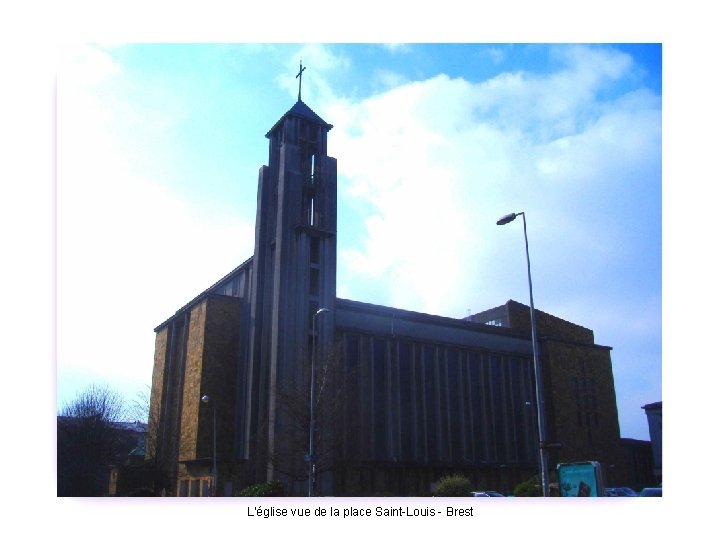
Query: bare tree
[
  {"x": 335, "y": 422},
  {"x": 99, "y": 403},
  {"x": 139, "y": 408},
  {"x": 156, "y": 468},
  {"x": 86, "y": 441}
]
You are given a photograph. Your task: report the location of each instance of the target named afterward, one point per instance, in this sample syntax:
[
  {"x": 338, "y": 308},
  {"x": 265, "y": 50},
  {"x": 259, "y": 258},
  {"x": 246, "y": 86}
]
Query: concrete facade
[
  {"x": 403, "y": 397},
  {"x": 654, "y": 418}
]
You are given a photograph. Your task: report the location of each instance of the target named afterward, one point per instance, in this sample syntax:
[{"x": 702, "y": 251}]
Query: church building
[{"x": 400, "y": 398}]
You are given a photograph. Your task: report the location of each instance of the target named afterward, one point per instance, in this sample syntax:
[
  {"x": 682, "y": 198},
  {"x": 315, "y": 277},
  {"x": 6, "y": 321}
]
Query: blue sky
[{"x": 159, "y": 146}]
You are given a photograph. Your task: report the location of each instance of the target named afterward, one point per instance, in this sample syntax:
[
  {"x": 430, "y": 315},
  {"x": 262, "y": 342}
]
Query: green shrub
[
  {"x": 453, "y": 486},
  {"x": 274, "y": 488},
  {"x": 529, "y": 488}
]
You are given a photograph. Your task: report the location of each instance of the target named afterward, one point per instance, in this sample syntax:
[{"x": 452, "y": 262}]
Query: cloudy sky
[{"x": 159, "y": 146}]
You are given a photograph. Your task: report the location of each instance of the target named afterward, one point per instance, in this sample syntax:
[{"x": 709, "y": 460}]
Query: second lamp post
[
  {"x": 536, "y": 365},
  {"x": 207, "y": 401},
  {"x": 311, "y": 452}
]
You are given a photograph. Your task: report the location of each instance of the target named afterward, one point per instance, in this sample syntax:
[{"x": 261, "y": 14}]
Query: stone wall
[
  {"x": 156, "y": 395},
  {"x": 219, "y": 372},
  {"x": 191, "y": 389},
  {"x": 580, "y": 405},
  {"x": 210, "y": 366},
  {"x": 547, "y": 325}
]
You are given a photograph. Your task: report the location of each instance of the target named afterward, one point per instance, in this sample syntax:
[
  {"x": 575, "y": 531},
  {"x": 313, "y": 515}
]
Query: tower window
[
  {"x": 314, "y": 250},
  {"x": 314, "y": 282}
]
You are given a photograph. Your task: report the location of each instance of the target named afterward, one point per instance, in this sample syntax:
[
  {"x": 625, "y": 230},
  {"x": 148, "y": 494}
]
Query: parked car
[
  {"x": 620, "y": 492},
  {"x": 486, "y": 494},
  {"x": 651, "y": 492}
]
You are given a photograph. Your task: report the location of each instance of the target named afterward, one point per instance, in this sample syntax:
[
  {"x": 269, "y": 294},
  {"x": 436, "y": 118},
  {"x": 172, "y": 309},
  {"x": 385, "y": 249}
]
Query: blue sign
[{"x": 580, "y": 479}]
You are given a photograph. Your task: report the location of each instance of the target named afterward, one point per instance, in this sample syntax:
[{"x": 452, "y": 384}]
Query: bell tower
[{"x": 293, "y": 274}]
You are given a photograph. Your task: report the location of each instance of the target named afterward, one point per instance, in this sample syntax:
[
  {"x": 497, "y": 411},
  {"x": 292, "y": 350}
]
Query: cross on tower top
[{"x": 299, "y": 75}]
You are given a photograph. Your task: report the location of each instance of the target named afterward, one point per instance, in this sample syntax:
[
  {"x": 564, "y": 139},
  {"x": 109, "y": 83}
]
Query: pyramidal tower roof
[{"x": 301, "y": 110}]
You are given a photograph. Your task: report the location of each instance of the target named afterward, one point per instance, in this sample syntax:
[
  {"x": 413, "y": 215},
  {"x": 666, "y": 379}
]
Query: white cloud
[
  {"x": 397, "y": 48},
  {"x": 321, "y": 60},
  {"x": 440, "y": 160},
  {"x": 129, "y": 249},
  {"x": 383, "y": 79},
  {"x": 86, "y": 65},
  {"x": 496, "y": 54},
  {"x": 429, "y": 166},
  {"x": 547, "y": 106}
]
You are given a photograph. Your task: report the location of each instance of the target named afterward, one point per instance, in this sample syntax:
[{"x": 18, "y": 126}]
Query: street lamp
[
  {"x": 311, "y": 452},
  {"x": 536, "y": 364},
  {"x": 206, "y": 399}
]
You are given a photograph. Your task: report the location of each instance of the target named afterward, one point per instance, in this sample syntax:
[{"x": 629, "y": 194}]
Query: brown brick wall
[
  {"x": 210, "y": 368},
  {"x": 220, "y": 358},
  {"x": 547, "y": 325},
  {"x": 580, "y": 402},
  {"x": 191, "y": 388},
  {"x": 156, "y": 392}
]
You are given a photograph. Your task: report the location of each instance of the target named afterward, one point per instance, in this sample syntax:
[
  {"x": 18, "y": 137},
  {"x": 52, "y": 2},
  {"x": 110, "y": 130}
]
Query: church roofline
[
  {"x": 488, "y": 314},
  {"x": 466, "y": 323},
  {"x": 205, "y": 293},
  {"x": 426, "y": 317},
  {"x": 301, "y": 110}
]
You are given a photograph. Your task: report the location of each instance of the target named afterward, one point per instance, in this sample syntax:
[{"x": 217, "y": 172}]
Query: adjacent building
[{"x": 654, "y": 418}]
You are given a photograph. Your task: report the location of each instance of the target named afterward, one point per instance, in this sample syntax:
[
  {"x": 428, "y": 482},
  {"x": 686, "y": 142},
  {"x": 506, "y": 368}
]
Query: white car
[
  {"x": 486, "y": 494},
  {"x": 620, "y": 492}
]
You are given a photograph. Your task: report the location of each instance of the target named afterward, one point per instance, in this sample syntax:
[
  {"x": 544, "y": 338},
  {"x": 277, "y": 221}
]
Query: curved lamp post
[
  {"x": 206, "y": 399},
  {"x": 536, "y": 364},
  {"x": 311, "y": 452}
]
